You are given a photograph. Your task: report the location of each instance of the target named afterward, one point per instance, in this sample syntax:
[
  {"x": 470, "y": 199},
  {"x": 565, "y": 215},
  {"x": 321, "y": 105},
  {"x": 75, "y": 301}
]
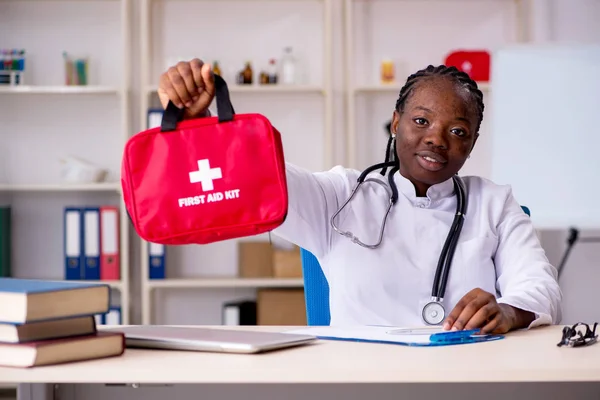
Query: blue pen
[{"x": 455, "y": 336}]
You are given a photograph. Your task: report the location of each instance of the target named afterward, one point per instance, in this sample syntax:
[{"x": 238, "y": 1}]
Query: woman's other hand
[{"x": 190, "y": 85}]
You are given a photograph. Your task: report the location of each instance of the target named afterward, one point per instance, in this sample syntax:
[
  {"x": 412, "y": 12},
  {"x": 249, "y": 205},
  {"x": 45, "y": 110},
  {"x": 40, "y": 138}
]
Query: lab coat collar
[{"x": 435, "y": 192}]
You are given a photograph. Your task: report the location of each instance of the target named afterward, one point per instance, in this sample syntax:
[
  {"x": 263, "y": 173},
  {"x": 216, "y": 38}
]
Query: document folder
[{"x": 426, "y": 337}]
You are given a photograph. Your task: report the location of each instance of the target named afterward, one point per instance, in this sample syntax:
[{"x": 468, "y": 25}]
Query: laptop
[{"x": 208, "y": 339}]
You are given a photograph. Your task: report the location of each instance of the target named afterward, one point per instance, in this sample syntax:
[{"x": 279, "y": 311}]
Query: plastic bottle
[{"x": 288, "y": 67}]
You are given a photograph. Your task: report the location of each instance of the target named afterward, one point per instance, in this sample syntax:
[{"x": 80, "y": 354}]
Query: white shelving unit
[
  {"x": 25, "y": 89},
  {"x": 256, "y": 89},
  {"x": 226, "y": 283},
  {"x": 98, "y": 187},
  {"x": 356, "y": 20},
  {"x": 120, "y": 92},
  {"x": 149, "y": 98},
  {"x": 483, "y": 86}
]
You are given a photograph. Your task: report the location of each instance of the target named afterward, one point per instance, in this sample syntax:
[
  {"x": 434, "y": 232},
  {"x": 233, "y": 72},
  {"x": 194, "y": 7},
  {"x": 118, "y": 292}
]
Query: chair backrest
[{"x": 316, "y": 288}]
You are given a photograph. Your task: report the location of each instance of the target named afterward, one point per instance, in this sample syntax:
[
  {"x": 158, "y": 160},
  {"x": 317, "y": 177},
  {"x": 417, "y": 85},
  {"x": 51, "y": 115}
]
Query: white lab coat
[{"x": 498, "y": 250}]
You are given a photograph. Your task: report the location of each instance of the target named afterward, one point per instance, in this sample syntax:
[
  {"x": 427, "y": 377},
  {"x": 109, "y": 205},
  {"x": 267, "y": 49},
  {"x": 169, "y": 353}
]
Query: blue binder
[
  {"x": 73, "y": 243},
  {"x": 91, "y": 240},
  {"x": 112, "y": 317},
  {"x": 154, "y": 117},
  {"x": 156, "y": 262}
]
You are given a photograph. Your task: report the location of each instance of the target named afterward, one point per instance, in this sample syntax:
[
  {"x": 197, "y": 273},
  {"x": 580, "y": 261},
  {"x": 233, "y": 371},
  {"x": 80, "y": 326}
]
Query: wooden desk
[{"x": 525, "y": 356}]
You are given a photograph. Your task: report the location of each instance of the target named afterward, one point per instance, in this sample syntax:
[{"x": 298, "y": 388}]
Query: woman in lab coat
[{"x": 500, "y": 278}]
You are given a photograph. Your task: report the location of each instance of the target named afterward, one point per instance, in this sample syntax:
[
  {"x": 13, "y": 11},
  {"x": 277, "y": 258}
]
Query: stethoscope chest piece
[{"x": 433, "y": 313}]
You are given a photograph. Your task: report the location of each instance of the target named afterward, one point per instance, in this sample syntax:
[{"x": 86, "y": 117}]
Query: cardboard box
[
  {"x": 255, "y": 259},
  {"x": 281, "y": 307},
  {"x": 287, "y": 263}
]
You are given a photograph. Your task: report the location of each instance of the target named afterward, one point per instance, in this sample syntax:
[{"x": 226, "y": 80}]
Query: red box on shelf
[{"x": 476, "y": 63}]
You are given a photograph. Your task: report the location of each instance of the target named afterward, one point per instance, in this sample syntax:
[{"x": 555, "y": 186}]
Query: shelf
[
  {"x": 299, "y": 1},
  {"x": 394, "y": 88},
  {"x": 33, "y": 1},
  {"x": 226, "y": 283},
  {"x": 62, "y": 187},
  {"x": 9, "y": 386},
  {"x": 110, "y": 43},
  {"x": 118, "y": 285},
  {"x": 59, "y": 89},
  {"x": 234, "y": 88}
]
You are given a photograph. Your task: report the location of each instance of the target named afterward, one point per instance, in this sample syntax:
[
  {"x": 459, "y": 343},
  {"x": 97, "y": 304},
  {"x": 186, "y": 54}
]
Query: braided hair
[{"x": 460, "y": 78}]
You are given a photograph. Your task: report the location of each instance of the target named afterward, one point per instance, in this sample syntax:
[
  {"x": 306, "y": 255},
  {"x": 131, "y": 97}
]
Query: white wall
[{"x": 418, "y": 33}]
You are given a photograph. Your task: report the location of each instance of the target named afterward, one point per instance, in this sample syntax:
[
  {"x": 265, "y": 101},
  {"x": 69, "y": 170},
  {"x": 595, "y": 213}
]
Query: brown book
[
  {"x": 29, "y": 300},
  {"x": 51, "y": 329},
  {"x": 57, "y": 351}
]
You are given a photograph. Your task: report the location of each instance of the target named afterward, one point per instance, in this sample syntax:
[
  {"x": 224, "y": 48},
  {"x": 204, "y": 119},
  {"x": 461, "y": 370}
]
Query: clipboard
[{"x": 415, "y": 337}]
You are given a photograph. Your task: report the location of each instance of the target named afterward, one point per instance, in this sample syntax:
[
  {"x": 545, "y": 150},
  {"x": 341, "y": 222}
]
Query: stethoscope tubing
[
  {"x": 448, "y": 250},
  {"x": 442, "y": 271},
  {"x": 393, "y": 199}
]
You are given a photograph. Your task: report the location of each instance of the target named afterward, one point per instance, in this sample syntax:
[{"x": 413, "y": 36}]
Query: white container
[
  {"x": 76, "y": 170},
  {"x": 288, "y": 68}
]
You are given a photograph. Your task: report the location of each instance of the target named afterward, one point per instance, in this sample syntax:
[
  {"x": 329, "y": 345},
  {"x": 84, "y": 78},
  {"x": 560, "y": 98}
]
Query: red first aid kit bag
[{"x": 206, "y": 179}]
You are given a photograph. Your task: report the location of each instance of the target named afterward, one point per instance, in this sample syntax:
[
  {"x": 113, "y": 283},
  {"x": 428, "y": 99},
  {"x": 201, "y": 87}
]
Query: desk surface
[{"x": 523, "y": 356}]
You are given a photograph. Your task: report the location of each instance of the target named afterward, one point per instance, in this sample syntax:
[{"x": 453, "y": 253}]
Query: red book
[{"x": 63, "y": 350}]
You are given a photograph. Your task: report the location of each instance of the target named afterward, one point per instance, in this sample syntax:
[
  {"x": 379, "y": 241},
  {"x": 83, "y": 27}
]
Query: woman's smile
[{"x": 431, "y": 161}]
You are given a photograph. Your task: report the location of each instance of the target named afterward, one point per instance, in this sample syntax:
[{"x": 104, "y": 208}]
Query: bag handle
[{"x": 225, "y": 111}]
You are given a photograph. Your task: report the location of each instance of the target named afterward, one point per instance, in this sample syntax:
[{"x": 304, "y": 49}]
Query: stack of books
[{"x": 53, "y": 322}]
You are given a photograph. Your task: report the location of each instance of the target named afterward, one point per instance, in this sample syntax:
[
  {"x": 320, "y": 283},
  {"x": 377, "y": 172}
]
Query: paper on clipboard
[{"x": 426, "y": 336}]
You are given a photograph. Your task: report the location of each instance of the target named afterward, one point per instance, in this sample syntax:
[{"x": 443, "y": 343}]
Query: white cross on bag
[{"x": 205, "y": 175}]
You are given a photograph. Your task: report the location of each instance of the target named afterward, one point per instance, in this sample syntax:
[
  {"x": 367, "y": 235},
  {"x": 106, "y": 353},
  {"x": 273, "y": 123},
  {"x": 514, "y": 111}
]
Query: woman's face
[{"x": 435, "y": 132}]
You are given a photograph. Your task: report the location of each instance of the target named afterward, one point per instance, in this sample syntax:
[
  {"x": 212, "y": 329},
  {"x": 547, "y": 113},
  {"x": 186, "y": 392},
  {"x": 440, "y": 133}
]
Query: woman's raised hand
[{"x": 190, "y": 85}]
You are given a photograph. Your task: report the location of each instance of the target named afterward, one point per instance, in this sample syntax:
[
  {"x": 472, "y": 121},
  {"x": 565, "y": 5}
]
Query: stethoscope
[{"x": 433, "y": 313}]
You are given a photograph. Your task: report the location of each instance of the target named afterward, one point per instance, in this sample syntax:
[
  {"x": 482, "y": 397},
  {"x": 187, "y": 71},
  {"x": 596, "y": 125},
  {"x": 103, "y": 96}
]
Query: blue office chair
[{"x": 316, "y": 288}]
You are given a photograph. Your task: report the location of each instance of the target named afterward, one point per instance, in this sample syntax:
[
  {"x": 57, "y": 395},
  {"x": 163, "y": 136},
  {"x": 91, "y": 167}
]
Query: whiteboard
[{"x": 545, "y": 128}]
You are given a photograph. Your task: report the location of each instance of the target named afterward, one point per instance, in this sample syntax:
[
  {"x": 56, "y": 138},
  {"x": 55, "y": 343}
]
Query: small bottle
[
  {"x": 68, "y": 69},
  {"x": 7, "y": 60},
  {"x": 272, "y": 71},
  {"x": 247, "y": 74},
  {"x": 387, "y": 72},
  {"x": 288, "y": 67},
  {"x": 216, "y": 69},
  {"x": 264, "y": 78}
]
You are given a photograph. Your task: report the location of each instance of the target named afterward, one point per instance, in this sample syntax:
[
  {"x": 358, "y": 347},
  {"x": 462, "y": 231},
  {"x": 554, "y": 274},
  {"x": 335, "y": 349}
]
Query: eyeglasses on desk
[{"x": 578, "y": 335}]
